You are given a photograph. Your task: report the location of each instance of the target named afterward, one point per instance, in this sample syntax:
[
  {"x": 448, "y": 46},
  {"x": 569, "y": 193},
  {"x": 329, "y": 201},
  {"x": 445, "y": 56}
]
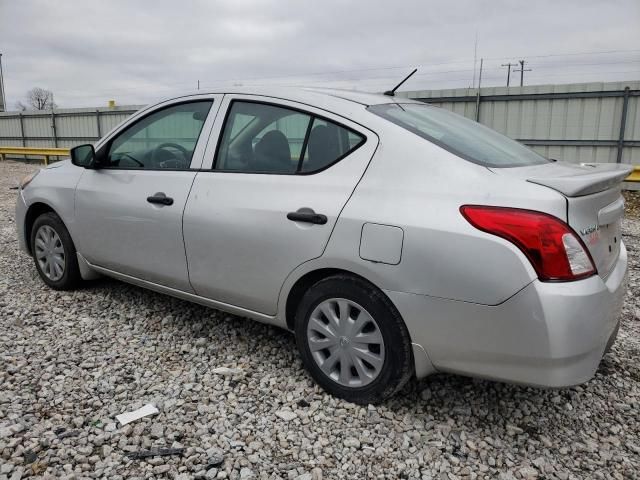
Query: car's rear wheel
[
  {"x": 352, "y": 340},
  {"x": 54, "y": 252}
]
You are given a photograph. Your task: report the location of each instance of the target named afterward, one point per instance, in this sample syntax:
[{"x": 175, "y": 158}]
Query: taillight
[{"x": 552, "y": 247}]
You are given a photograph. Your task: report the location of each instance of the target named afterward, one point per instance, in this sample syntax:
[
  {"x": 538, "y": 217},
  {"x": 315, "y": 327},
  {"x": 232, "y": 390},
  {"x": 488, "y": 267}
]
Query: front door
[
  {"x": 281, "y": 176},
  {"x": 129, "y": 211}
]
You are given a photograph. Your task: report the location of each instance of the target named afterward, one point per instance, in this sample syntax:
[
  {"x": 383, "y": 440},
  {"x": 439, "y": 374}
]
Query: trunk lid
[{"x": 595, "y": 205}]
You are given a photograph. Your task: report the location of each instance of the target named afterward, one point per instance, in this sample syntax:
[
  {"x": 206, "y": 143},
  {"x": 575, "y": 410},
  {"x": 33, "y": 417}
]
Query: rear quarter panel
[{"x": 419, "y": 187}]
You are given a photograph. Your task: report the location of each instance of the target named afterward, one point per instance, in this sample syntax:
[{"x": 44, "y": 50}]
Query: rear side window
[
  {"x": 266, "y": 138},
  {"x": 327, "y": 143},
  {"x": 463, "y": 137}
]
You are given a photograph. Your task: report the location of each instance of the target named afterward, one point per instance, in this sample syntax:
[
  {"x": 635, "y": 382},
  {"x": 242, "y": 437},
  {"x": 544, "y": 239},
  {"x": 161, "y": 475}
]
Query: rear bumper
[
  {"x": 21, "y": 212},
  {"x": 548, "y": 334}
]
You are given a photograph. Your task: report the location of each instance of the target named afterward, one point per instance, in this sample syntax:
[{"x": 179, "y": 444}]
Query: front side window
[
  {"x": 165, "y": 139},
  {"x": 467, "y": 139},
  {"x": 265, "y": 138}
]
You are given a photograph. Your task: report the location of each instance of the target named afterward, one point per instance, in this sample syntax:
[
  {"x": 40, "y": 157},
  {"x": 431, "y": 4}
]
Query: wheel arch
[
  {"x": 33, "y": 212},
  {"x": 308, "y": 274},
  {"x": 305, "y": 281}
]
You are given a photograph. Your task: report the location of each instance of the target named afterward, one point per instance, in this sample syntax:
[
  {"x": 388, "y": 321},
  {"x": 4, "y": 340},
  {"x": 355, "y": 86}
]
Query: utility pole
[
  {"x": 508, "y": 65},
  {"x": 478, "y": 93},
  {"x": 2, "y": 97},
  {"x": 522, "y": 70},
  {"x": 198, "y": 84},
  {"x": 475, "y": 56}
]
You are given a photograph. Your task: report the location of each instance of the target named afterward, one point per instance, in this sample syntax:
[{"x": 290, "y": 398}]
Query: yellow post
[
  {"x": 635, "y": 175},
  {"x": 46, "y": 153}
]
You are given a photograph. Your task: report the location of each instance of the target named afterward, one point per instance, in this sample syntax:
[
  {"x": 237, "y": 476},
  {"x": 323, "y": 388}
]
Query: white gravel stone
[
  {"x": 352, "y": 443},
  {"x": 286, "y": 415},
  {"x": 246, "y": 474},
  {"x": 232, "y": 391},
  {"x": 157, "y": 430},
  {"x": 212, "y": 473},
  {"x": 161, "y": 469},
  {"x": 226, "y": 371}
]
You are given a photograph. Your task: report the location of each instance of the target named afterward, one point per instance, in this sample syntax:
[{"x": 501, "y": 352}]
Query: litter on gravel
[{"x": 129, "y": 417}]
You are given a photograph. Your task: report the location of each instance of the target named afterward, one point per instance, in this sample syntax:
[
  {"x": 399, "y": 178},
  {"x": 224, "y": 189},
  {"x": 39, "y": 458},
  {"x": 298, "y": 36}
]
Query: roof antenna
[{"x": 392, "y": 92}]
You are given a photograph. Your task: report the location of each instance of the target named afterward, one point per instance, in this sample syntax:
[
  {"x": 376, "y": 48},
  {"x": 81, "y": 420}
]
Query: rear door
[
  {"x": 281, "y": 175},
  {"x": 129, "y": 212}
]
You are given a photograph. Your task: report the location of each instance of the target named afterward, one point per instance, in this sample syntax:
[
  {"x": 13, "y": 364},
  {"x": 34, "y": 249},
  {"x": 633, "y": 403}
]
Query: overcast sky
[{"x": 88, "y": 52}]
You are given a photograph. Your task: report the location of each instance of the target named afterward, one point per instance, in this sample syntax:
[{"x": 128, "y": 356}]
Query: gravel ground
[{"x": 70, "y": 362}]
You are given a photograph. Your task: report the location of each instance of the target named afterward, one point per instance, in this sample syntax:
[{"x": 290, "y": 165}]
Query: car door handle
[
  {"x": 307, "y": 215},
  {"x": 160, "y": 198}
]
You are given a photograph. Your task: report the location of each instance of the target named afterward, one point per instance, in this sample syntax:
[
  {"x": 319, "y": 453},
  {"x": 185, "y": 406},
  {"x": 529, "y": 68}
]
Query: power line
[
  {"x": 570, "y": 54},
  {"x": 168, "y": 87},
  {"x": 586, "y": 64},
  {"x": 368, "y": 69},
  {"x": 496, "y": 77}
]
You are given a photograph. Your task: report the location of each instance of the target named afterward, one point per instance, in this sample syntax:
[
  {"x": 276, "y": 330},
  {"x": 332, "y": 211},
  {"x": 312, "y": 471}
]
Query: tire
[
  {"x": 51, "y": 244},
  {"x": 356, "y": 343}
]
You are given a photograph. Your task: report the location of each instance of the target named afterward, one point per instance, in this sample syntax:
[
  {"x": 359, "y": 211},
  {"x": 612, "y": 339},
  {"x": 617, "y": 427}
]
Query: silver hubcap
[
  {"x": 50, "y": 253},
  {"x": 345, "y": 342}
]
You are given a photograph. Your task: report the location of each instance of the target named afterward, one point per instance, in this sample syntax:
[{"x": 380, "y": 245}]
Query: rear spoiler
[{"x": 591, "y": 178}]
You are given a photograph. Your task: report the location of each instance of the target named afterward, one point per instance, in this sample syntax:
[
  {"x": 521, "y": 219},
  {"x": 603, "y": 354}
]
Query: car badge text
[{"x": 590, "y": 229}]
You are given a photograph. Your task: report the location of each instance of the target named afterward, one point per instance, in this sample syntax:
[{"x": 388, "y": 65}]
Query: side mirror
[{"x": 83, "y": 156}]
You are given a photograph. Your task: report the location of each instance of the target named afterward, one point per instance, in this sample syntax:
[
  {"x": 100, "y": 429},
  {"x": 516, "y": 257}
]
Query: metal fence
[
  {"x": 60, "y": 128},
  {"x": 588, "y": 122}
]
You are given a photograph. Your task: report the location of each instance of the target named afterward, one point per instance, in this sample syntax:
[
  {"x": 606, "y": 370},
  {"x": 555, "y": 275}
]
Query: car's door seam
[
  {"x": 348, "y": 199},
  {"x": 193, "y": 181},
  {"x": 184, "y": 243},
  {"x": 334, "y": 223}
]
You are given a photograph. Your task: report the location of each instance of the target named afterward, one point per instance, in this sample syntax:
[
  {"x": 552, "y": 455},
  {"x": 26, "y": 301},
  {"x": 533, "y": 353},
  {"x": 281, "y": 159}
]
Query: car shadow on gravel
[
  {"x": 537, "y": 414},
  {"x": 476, "y": 403}
]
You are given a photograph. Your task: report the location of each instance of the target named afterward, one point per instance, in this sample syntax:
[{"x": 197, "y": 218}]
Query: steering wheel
[
  {"x": 130, "y": 157},
  {"x": 164, "y": 147}
]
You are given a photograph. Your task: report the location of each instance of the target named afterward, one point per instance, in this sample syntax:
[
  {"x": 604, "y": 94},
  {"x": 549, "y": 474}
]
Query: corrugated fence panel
[
  {"x": 10, "y": 127},
  {"x": 7, "y": 142},
  {"x": 109, "y": 122},
  {"x": 573, "y": 122},
  {"x": 631, "y": 155},
  {"x": 37, "y": 126},
  {"x": 62, "y": 143},
  {"x": 73, "y": 126},
  {"x": 83, "y": 126},
  {"x": 632, "y": 130},
  {"x": 38, "y": 143}
]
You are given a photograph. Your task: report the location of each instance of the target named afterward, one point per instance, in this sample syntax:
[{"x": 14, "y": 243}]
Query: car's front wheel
[
  {"x": 54, "y": 252},
  {"x": 352, "y": 340}
]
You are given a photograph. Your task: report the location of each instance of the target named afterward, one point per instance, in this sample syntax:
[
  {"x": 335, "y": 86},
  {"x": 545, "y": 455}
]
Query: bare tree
[{"x": 40, "y": 99}]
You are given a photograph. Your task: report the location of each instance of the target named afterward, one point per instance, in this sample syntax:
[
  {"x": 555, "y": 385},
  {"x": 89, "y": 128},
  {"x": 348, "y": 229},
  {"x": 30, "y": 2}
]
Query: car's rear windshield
[{"x": 467, "y": 139}]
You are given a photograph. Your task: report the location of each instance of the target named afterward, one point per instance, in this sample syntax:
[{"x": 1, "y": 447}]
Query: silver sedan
[{"x": 395, "y": 239}]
